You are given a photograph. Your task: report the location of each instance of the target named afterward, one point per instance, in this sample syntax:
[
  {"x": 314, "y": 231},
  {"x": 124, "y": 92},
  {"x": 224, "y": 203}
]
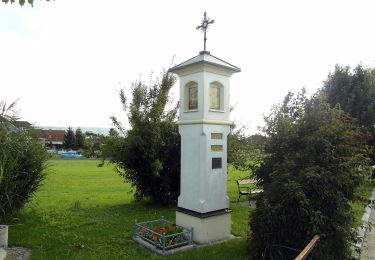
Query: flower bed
[{"x": 163, "y": 234}]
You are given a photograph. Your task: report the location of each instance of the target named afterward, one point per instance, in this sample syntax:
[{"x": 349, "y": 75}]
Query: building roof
[
  {"x": 22, "y": 124},
  {"x": 53, "y": 135},
  {"x": 205, "y": 57}
]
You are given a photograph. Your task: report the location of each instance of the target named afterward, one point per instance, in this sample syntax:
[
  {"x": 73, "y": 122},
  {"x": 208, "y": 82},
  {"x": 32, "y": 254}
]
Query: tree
[
  {"x": 354, "y": 91},
  {"x": 69, "y": 139},
  {"x": 113, "y": 132},
  {"x": 22, "y": 164},
  {"x": 93, "y": 145},
  {"x": 312, "y": 169},
  {"x": 79, "y": 139},
  {"x": 245, "y": 152},
  {"x": 148, "y": 155}
]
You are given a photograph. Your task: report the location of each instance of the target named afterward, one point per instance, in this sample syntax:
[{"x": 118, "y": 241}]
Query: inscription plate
[
  {"x": 216, "y": 136},
  {"x": 216, "y": 163},
  {"x": 216, "y": 148}
]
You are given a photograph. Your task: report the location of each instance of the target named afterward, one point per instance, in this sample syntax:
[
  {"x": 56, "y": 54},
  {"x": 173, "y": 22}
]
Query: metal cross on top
[{"x": 204, "y": 26}]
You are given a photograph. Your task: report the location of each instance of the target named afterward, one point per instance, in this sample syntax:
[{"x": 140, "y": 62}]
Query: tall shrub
[
  {"x": 354, "y": 91},
  {"x": 148, "y": 155},
  {"x": 316, "y": 159},
  {"x": 22, "y": 168}
]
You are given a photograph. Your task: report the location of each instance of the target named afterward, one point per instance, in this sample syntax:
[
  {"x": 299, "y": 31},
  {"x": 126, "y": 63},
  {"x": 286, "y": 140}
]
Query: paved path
[{"x": 368, "y": 249}]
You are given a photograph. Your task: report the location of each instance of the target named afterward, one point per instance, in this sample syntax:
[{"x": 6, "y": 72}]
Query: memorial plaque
[
  {"x": 216, "y": 163},
  {"x": 216, "y": 136},
  {"x": 216, "y": 148}
]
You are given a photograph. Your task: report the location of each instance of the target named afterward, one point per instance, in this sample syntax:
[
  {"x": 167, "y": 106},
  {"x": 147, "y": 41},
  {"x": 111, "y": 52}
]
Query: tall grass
[{"x": 22, "y": 168}]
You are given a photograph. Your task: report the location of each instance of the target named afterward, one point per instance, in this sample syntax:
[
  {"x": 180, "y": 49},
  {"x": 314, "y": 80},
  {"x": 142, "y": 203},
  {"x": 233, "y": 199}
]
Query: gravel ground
[
  {"x": 368, "y": 250},
  {"x": 18, "y": 253}
]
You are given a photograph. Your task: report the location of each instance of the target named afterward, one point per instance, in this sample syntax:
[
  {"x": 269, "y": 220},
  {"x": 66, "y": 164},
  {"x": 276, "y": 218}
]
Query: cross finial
[{"x": 206, "y": 21}]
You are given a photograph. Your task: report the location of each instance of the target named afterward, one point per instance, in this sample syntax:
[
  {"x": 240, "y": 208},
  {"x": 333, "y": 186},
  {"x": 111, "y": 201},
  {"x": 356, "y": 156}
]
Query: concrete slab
[
  {"x": 161, "y": 252},
  {"x": 179, "y": 249},
  {"x": 18, "y": 253},
  {"x": 3, "y": 253},
  {"x": 368, "y": 245}
]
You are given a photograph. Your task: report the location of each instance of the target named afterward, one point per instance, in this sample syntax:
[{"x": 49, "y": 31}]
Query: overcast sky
[{"x": 67, "y": 59}]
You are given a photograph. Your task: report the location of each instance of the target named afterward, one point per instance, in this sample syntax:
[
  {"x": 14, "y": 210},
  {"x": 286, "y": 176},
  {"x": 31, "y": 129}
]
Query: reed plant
[{"x": 23, "y": 163}]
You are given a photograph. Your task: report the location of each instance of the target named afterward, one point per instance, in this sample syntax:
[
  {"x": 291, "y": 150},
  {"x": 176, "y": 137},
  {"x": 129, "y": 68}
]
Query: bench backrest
[
  {"x": 307, "y": 250},
  {"x": 246, "y": 182}
]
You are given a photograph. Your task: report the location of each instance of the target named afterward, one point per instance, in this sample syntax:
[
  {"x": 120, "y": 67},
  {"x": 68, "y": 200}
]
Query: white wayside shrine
[{"x": 204, "y": 125}]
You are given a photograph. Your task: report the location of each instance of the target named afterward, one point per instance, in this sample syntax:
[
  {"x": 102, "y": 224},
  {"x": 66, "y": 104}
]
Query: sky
[{"x": 66, "y": 60}]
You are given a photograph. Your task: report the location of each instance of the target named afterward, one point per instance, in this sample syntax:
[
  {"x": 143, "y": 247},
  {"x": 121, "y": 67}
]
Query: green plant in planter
[
  {"x": 165, "y": 231},
  {"x": 163, "y": 234}
]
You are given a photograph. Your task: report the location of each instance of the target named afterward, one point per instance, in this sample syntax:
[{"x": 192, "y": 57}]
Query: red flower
[
  {"x": 155, "y": 238},
  {"x": 166, "y": 227},
  {"x": 173, "y": 225}
]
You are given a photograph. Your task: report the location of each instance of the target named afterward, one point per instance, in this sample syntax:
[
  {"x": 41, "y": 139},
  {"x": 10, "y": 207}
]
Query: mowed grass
[{"x": 87, "y": 212}]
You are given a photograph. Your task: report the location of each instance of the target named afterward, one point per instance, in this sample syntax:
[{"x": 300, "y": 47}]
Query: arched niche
[
  {"x": 216, "y": 96},
  {"x": 191, "y": 96}
]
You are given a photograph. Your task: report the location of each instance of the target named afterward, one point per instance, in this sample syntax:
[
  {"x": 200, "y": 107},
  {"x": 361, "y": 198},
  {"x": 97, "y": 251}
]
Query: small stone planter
[
  {"x": 3, "y": 236},
  {"x": 163, "y": 234}
]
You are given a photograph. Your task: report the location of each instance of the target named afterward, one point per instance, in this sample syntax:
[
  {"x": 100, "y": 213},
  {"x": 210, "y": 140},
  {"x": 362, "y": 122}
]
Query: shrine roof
[{"x": 205, "y": 57}]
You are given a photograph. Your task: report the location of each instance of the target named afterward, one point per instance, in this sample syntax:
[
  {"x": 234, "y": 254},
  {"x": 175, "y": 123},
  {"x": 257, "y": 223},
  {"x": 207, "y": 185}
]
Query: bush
[
  {"x": 148, "y": 155},
  {"x": 22, "y": 168},
  {"x": 312, "y": 170},
  {"x": 245, "y": 152}
]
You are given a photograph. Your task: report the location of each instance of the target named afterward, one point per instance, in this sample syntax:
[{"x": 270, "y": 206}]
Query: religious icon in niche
[
  {"x": 193, "y": 97},
  {"x": 214, "y": 97}
]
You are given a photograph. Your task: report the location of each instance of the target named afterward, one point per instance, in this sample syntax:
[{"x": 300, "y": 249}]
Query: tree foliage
[
  {"x": 22, "y": 164},
  {"x": 79, "y": 139},
  {"x": 311, "y": 171},
  {"x": 245, "y": 152},
  {"x": 354, "y": 91},
  {"x": 93, "y": 145},
  {"x": 148, "y": 155},
  {"x": 69, "y": 139},
  {"x": 113, "y": 132}
]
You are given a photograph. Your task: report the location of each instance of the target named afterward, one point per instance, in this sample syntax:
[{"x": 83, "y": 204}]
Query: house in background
[
  {"x": 53, "y": 137},
  {"x": 47, "y": 137},
  {"x": 22, "y": 124},
  {"x": 14, "y": 125}
]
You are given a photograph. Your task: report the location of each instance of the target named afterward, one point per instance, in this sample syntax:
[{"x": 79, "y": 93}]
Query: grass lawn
[
  {"x": 358, "y": 206},
  {"x": 86, "y": 212}
]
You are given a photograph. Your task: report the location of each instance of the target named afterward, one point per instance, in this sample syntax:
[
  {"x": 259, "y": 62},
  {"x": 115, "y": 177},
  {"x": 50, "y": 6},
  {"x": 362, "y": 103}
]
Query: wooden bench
[
  {"x": 246, "y": 187},
  {"x": 308, "y": 249},
  {"x": 286, "y": 252}
]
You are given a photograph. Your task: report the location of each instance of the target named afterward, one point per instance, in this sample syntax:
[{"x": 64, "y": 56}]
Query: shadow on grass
[{"x": 102, "y": 232}]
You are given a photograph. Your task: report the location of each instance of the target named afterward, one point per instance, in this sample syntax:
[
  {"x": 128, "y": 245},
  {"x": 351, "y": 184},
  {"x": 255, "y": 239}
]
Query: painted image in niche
[
  {"x": 193, "y": 98},
  {"x": 214, "y": 98}
]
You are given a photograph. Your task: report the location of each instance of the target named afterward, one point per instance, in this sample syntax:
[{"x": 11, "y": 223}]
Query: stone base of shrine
[{"x": 207, "y": 227}]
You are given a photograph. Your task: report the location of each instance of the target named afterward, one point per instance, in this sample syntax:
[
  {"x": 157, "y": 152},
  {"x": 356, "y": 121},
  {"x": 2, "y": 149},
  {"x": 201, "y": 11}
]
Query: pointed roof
[{"x": 205, "y": 57}]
